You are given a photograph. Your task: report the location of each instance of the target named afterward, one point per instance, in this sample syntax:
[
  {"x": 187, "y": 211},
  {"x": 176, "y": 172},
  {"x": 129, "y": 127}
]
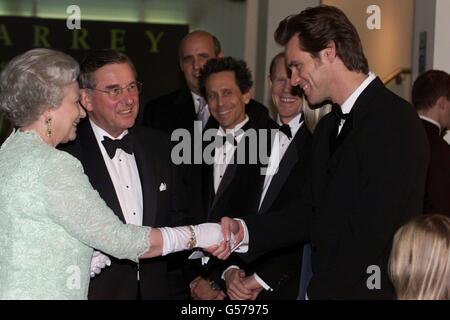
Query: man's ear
[
  {"x": 329, "y": 53},
  {"x": 270, "y": 82},
  {"x": 247, "y": 96},
  {"x": 86, "y": 99},
  {"x": 441, "y": 102},
  {"x": 220, "y": 55}
]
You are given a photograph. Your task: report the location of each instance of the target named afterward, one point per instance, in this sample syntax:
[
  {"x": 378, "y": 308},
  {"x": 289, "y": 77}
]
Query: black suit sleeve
[{"x": 280, "y": 229}]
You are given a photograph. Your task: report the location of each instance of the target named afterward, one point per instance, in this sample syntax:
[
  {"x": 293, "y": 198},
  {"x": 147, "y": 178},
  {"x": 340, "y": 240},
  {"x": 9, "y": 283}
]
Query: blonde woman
[{"x": 419, "y": 264}]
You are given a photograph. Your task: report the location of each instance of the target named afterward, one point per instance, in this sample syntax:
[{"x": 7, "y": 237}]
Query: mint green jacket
[{"x": 50, "y": 219}]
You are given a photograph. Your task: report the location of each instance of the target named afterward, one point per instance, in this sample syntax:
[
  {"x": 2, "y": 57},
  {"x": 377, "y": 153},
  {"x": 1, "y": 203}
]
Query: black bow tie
[
  {"x": 338, "y": 112},
  {"x": 286, "y": 129},
  {"x": 112, "y": 145}
]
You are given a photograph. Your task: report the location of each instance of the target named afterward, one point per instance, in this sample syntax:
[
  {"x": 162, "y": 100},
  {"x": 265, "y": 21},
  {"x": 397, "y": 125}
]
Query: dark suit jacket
[
  {"x": 119, "y": 281},
  {"x": 280, "y": 268},
  {"x": 438, "y": 178},
  {"x": 237, "y": 196},
  {"x": 238, "y": 192},
  {"x": 176, "y": 110},
  {"x": 359, "y": 196},
  {"x": 173, "y": 111}
]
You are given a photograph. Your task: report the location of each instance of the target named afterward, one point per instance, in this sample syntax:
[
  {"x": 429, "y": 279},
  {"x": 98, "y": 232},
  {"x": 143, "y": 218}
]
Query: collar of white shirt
[
  {"x": 100, "y": 133},
  {"x": 294, "y": 124},
  {"x": 222, "y": 132},
  {"x": 348, "y": 104},
  {"x": 431, "y": 121}
]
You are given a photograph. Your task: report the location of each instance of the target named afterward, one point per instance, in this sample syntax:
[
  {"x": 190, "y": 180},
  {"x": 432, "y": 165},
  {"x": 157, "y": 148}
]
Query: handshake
[
  {"x": 231, "y": 229},
  {"x": 207, "y": 236}
]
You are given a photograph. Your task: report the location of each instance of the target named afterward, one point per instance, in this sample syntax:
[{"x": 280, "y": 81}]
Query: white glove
[
  {"x": 98, "y": 262},
  {"x": 179, "y": 238},
  {"x": 209, "y": 234}
]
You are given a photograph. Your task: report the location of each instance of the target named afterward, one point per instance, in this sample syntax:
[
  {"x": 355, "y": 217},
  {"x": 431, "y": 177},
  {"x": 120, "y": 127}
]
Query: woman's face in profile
[{"x": 65, "y": 118}]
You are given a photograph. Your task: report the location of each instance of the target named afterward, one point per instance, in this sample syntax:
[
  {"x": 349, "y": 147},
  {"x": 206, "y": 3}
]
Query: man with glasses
[{"x": 119, "y": 159}]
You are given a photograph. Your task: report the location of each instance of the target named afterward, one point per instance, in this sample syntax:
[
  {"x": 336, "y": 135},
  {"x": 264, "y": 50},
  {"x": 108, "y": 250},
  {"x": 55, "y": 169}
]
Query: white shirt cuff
[
  {"x": 242, "y": 247},
  {"x": 229, "y": 268}
]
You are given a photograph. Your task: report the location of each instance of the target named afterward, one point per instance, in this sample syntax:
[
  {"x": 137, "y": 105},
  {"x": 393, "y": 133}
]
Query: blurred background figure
[
  {"x": 431, "y": 98},
  {"x": 419, "y": 264}
]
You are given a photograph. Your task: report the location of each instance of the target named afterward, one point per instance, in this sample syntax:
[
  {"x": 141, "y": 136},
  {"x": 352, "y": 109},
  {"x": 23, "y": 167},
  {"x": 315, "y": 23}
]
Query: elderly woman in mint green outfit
[{"x": 50, "y": 216}]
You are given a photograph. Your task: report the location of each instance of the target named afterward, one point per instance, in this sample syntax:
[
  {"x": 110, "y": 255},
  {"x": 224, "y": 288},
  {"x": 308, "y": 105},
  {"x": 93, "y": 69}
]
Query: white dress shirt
[
  {"x": 224, "y": 154},
  {"x": 279, "y": 148},
  {"x": 125, "y": 177},
  {"x": 348, "y": 104}
]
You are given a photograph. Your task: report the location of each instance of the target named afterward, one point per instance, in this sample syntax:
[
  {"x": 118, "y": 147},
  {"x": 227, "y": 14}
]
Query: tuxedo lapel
[
  {"x": 289, "y": 160},
  {"x": 357, "y": 114},
  {"x": 95, "y": 168},
  {"x": 208, "y": 189},
  {"x": 145, "y": 163},
  {"x": 225, "y": 182}
]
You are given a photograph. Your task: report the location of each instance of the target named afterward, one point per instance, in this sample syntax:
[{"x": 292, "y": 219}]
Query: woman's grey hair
[{"x": 34, "y": 82}]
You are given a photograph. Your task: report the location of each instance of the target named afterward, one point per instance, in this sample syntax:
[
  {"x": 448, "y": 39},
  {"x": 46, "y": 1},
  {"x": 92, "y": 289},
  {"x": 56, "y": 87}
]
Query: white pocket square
[{"x": 162, "y": 187}]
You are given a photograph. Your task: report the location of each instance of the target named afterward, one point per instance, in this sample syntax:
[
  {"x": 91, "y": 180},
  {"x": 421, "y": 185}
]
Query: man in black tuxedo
[
  {"x": 179, "y": 110},
  {"x": 122, "y": 165},
  {"x": 231, "y": 180},
  {"x": 431, "y": 98},
  {"x": 369, "y": 163},
  {"x": 276, "y": 275}
]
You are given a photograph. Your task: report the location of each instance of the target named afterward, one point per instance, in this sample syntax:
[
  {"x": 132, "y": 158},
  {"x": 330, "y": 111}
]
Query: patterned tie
[{"x": 203, "y": 112}]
